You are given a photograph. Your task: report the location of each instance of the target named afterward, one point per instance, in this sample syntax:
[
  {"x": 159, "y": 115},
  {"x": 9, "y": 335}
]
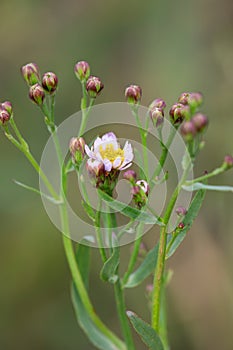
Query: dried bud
[
  {"x": 77, "y": 149},
  {"x": 82, "y": 70},
  {"x": 130, "y": 175},
  {"x": 93, "y": 86},
  {"x": 188, "y": 130},
  {"x": 200, "y": 121},
  {"x": 8, "y": 106},
  {"x": 178, "y": 113},
  {"x": 181, "y": 225},
  {"x": 31, "y": 73},
  {"x": 144, "y": 186},
  {"x": 37, "y": 94},
  {"x": 157, "y": 103},
  {"x": 181, "y": 211},
  {"x": 133, "y": 93},
  {"x": 49, "y": 82},
  {"x": 157, "y": 116},
  {"x": 4, "y": 115},
  {"x": 228, "y": 161}
]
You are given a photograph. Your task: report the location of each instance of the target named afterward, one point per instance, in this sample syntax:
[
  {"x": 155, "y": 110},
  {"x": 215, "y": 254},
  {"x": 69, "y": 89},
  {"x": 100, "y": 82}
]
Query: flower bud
[
  {"x": 193, "y": 99},
  {"x": 228, "y": 161},
  {"x": 157, "y": 103},
  {"x": 188, "y": 130},
  {"x": 49, "y": 82},
  {"x": 95, "y": 168},
  {"x": 149, "y": 288},
  {"x": 133, "y": 93},
  {"x": 82, "y": 70},
  {"x": 93, "y": 86},
  {"x": 181, "y": 225},
  {"x": 135, "y": 190},
  {"x": 37, "y": 94},
  {"x": 8, "y": 106},
  {"x": 4, "y": 115},
  {"x": 144, "y": 186},
  {"x": 157, "y": 116},
  {"x": 181, "y": 211},
  {"x": 31, "y": 73},
  {"x": 77, "y": 149},
  {"x": 130, "y": 175},
  {"x": 178, "y": 113},
  {"x": 200, "y": 121}
]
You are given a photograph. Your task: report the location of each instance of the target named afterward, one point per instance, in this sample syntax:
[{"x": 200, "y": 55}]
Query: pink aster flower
[{"x": 107, "y": 150}]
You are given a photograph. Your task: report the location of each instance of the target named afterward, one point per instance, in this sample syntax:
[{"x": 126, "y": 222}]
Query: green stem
[
  {"x": 207, "y": 176},
  {"x": 121, "y": 309},
  {"x": 85, "y": 110}
]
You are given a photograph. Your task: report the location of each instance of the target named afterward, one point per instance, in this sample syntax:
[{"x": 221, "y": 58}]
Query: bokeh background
[{"x": 167, "y": 48}]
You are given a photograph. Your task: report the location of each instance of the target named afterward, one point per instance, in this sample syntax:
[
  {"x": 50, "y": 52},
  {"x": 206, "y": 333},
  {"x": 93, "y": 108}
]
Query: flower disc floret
[{"x": 106, "y": 149}]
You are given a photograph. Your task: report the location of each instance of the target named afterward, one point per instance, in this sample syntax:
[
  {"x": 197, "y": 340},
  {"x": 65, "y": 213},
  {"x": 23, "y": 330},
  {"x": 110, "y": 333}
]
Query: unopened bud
[
  {"x": 200, "y": 121},
  {"x": 95, "y": 168},
  {"x": 181, "y": 211},
  {"x": 8, "y": 106},
  {"x": 4, "y": 115},
  {"x": 178, "y": 113},
  {"x": 133, "y": 93},
  {"x": 228, "y": 161},
  {"x": 157, "y": 103},
  {"x": 181, "y": 225},
  {"x": 49, "y": 82},
  {"x": 188, "y": 130},
  {"x": 94, "y": 86},
  {"x": 135, "y": 190},
  {"x": 77, "y": 149},
  {"x": 31, "y": 74},
  {"x": 193, "y": 99},
  {"x": 144, "y": 186},
  {"x": 130, "y": 175},
  {"x": 82, "y": 70},
  {"x": 149, "y": 289},
  {"x": 157, "y": 116},
  {"x": 37, "y": 94}
]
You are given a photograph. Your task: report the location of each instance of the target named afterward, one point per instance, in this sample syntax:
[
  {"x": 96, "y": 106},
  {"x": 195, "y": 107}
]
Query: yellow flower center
[{"x": 110, "y": 153}]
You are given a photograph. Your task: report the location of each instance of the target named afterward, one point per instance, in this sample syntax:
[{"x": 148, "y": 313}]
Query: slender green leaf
[
  {"x": 35, "y": 190},
  {"x": 144, "y": 270},
  {"x": 97, "y": 338},
  {"x": 108, "y": 272},
  {"x": 89, "y": 210},
  {"x": 200, "y": 186},
  {"x": 128, "y": 211},
  {"x": 188, "y": 221},
  {"x": 148, "y": 335}
]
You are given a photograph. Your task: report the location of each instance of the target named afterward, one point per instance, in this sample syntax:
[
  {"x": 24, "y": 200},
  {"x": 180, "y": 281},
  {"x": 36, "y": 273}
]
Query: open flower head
[{"x": 106, "y": 150}]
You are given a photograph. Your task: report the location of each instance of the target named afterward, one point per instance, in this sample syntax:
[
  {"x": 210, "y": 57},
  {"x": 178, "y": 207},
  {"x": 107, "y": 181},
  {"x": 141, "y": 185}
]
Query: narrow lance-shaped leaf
[
  {"x": 200, "y": 186},
  {"x": 129, "y": 211},
  {"x": 108, "y": 272},
  {"x": 96, "y": 337},
  {"x": 144, "y": 270},
  {"x": 148, "y": 335},
  {"x": 188, "y": 221}
]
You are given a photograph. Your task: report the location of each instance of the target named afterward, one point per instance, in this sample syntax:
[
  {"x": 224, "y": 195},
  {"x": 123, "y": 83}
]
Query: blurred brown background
[{"x": 167, "y": 48}]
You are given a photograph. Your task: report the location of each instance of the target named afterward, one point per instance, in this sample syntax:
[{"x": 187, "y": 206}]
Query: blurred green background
[{"x": 166, "y": 47}]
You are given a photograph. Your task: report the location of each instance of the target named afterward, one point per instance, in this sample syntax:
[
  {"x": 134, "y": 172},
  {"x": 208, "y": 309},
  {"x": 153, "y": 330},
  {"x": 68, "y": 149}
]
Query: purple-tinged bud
[
  {"x": 149, "y": 288},
  {"x": 130, "y": 175},
  {"x": 77, "y": 149},
  {"x": 181, "y": 225},
  {"x": 37, "y": 94},
  {"x": 188, "y": 130},
  {"x": 133, "y": 93},
  {"x": 8, "y": 106},
  {"x": 135, "y": 190},
  {"x": 196, "y": 98},
  {"x": 4, "y": 115},
  {"x": 200, "y": 121},
  {"x": 95, "y": 168},
  {"x": 31, "y": 74},
  {"x": 184, "y": 98},
  {"x": 181, "y": 211},
  {"x": 193, "y": 99},
  {"x": 157, "y": 116},
  {"x": 49, "y": 82},
  {"x": 82, "y": 70},
  {"x": 144, "y": 186},
  {"x": 157, "y": 103},
  {"x": 93, "y": 86},
  {"x": 178, "y": 113},
  {"x": 228, "y": 162}
]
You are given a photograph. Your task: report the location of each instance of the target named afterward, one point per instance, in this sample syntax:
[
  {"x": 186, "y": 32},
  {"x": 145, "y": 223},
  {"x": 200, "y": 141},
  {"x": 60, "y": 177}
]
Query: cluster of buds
[
  {"x": 5, "y": 112},
  {"x": 193, "y": 99},
  {"x": 196, "y": 125},
  {"x": 133, "y": 94},
  {"x": 140, "y": 189},
  {"x": 156, "y": 111},
  {"x": 39, "y": 87},
  {"x": 77, "y": 150}
]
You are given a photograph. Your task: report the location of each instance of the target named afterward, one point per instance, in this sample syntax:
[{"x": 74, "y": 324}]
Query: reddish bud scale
[
  {"x": 157, "y": 116},
  {"x": 94, "y": 86},
  {"x": 157, "y": 103},
  {"x": 178, "y": 113},
  {"x": 37, "y": 94},
  {"x": 82, "y": 70},
  {"x": 77, "y": 149},
  {"x": 188, "y": 130},
  {"x": 130, "y": 175},
  {"x": 181, "y": 211},
  {"x": 50, "y": 82},
  {"x": 133, "y": 93},
  {"x": 31, "y": 74},
  {"x": 4, "y": 115},
  {"x": 228, "y": 161},
  {"x": 200, "y": 121},
  {"x": 181, "y": 225}
]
